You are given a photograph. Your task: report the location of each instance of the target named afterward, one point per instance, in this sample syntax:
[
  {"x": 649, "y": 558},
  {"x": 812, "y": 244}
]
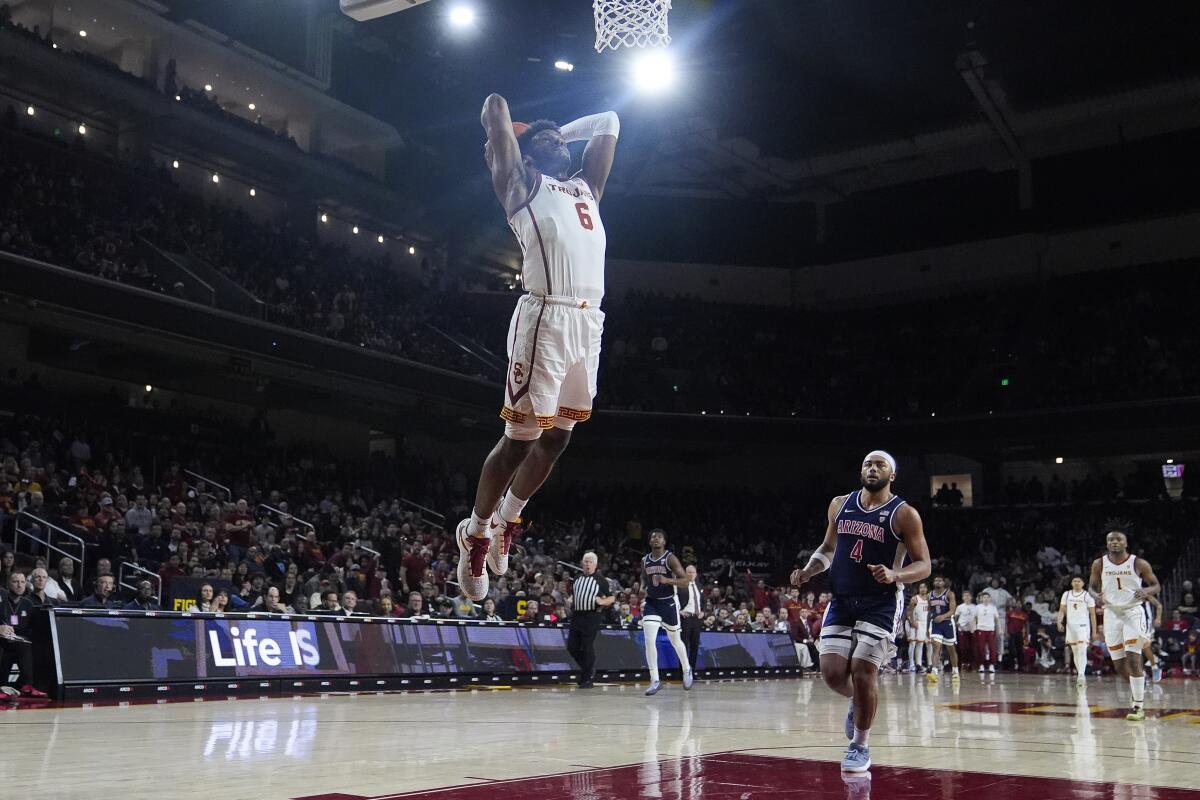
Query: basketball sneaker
[
  {"x": 1138, "y": 714},
  {"x": 1156, "y": 674},
  {"x": 497, "y": 557},
  {"x": 653, "y": 690},
  {"x": 857, "y": 759},
  {"x": 28, "y": 691},
  {"x": 688, "y": 679},
  {"x": 9, "y": 691},
  {"x": 472, "y": 553}
]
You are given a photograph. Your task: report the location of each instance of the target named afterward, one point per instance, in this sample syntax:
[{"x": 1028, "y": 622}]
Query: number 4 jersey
[
  {"x": 863, "y": 538},
  {"x": 562, "y": 239}
]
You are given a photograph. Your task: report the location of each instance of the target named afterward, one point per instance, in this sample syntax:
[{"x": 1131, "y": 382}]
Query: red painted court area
[{"x": 735, "y": 776}]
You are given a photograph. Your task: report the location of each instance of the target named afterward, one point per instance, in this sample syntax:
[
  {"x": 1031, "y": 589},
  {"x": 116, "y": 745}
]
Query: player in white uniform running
[
  {"x": 1077, "y": 619},
  {"x": 554, "y": 335},
  {"x": 1125, "y": 582}
]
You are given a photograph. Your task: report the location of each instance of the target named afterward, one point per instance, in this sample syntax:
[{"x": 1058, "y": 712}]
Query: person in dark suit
[{"x": 691, "y": 606}]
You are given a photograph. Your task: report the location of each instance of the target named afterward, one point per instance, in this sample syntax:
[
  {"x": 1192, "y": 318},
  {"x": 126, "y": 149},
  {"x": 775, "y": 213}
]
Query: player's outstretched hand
[{"x": 882, "y": 573}]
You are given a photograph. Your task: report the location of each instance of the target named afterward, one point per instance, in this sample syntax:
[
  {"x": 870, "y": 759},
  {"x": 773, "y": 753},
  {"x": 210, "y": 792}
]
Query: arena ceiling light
[
  {"x": 324, "y": 218},
  {"x": 654, "y": 72},
  {"x": 208, "y": 87},
  {"x": 83, "y": 34},
  {"x": 412, "y": 251},
  {"x": 565, "y": 66},
  {"x": 29, "y": 110},
  {"x": 355, "y": 230},
  {"x": 1058, "y": 460},
  {"x": 175, "y": 164},
  {"x": 253, "y": 192},
  {"x": 462, "y": 16},
  {"x": 82, "y": 129},
  {"x": 379, "y": 238},
  {"x": 252, "y": 106},
  {"x": 216, "y": 178}
]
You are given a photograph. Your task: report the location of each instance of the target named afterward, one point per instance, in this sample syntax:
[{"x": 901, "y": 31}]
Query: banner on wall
[{"x": 167, "y": 647}]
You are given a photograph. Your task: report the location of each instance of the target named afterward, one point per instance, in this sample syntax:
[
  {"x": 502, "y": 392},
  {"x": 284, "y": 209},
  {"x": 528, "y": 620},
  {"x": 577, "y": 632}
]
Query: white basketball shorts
[
  {"x": 553, "y": 359},
  {"x": 1125, "y": 630},
  {"x": 1079, "y": 633}
]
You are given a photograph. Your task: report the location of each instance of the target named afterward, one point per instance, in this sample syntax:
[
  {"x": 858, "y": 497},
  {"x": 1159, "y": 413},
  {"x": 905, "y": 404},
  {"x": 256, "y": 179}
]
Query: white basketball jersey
[
  {"x": 563, "y": 239},
  {"x": 1077, "y": 606},
  {"x": 1120, "y": 582},
  {"x": 921, "y": 612}
]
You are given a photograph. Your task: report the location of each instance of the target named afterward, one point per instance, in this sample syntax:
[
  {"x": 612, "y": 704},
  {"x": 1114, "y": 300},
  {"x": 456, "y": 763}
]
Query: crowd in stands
[
  {"x": 1011, "y": 351},
  {"x": 369, "y": 538}
]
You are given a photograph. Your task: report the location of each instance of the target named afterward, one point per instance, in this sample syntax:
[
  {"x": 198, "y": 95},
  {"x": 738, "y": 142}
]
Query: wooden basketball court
[{"x": 1006, "y": 737}]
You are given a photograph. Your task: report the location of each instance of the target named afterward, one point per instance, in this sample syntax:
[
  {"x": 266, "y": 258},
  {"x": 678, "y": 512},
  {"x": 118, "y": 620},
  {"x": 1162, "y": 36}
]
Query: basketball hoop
[{"x": 632, "y": 23}]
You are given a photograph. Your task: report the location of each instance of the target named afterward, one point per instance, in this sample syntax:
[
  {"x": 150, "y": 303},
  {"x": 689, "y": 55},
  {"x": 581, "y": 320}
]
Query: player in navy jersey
[
  {"x": 942, "y": 631},
  {"x": 662, "y": 573},
  {"x": 870, "y": 534}
]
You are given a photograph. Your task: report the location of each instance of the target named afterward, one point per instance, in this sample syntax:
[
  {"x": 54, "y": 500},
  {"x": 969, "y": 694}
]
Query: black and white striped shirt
[{"x": 587, "y": 588}]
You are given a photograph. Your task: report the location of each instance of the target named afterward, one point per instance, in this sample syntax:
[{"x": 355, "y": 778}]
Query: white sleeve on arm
[{"x": 584, "y": 128}]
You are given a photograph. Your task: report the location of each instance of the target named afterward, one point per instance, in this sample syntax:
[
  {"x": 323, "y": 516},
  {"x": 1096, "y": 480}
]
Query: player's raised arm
[
  {"x": 821, "y": 557},
  {"x": 907, "y": 522},
  {"x": 600, "y": 131},
  {"x": 509, "y": 179},
  {"x": 1150, "y": 584}
]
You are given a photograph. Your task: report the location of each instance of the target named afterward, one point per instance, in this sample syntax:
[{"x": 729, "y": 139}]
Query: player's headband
[{"x": 885, "y": 455}]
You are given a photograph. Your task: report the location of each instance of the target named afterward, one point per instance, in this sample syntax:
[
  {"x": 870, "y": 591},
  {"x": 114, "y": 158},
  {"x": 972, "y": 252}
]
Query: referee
[{"x": 591, "y": 593}]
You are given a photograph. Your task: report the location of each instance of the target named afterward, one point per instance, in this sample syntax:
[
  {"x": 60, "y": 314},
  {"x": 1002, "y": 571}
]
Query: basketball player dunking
[
  {"x": 870, "y": 532},
  {"x": 663, "y": 573},
  {"x": 554, "y": 336},
  {"x": 1125, "y": 581}
]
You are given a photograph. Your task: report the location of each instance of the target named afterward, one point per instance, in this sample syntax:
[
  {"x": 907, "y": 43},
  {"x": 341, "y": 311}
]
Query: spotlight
[
  {"x": 324, "y": 218},
  {"x": 1058, "y": 460},
  {"x": 380, "y": 238},
  {"x": 149, "y": 388},
  {"x": 462, "y": 16},
  {"x": 29, "y": 110},
  {"x": 175, "y": 164},
  {"x": 83, "y": 34},
  {"x": 208, "y": 87},
  {"x": 177, "y": 98},
  {"x": 412, "y": 251},
  {"x": 355, "y": 230},
  {"x": 654, "y": 72},
  {"x": 216, "y": 178},
  {"x": 565, "y": 66},
  {"x": 252, "y": 106},
  {"x": 252, "y": 192},
  {"x": 82, "y": 129}
]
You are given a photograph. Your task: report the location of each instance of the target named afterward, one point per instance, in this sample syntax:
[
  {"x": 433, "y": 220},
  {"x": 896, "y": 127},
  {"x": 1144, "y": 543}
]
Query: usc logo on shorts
[{"x": 518, "y": 373}]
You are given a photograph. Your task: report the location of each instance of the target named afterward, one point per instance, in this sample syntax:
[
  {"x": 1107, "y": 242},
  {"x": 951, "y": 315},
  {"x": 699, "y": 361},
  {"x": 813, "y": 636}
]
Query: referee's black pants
[
  {"x": 581, "y": 642},
  {"x": 691, "y": 638}
]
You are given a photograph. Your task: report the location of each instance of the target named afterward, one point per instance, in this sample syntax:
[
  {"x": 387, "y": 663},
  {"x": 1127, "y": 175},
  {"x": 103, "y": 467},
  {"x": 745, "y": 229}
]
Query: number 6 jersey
[
  {"x": 863, "y": 538},
  {"x": 562, "y": 239}
]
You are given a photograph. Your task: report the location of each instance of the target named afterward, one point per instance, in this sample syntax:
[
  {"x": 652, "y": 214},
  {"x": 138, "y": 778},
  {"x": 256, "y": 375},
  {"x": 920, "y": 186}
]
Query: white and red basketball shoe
[
  {"x": 502, "y": 539},
  {"x": 472, "y": 553}
]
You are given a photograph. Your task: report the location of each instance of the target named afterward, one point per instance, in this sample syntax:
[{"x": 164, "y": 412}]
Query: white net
[{"x": 632, "y": 23}]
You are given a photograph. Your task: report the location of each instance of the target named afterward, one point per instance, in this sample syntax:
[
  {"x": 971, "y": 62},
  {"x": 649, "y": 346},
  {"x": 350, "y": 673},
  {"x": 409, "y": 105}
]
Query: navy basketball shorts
[
  {"x": 943, "y": 632},
  {"x": 663, "y": 610},
  {"x": 862, "y": 626}
]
